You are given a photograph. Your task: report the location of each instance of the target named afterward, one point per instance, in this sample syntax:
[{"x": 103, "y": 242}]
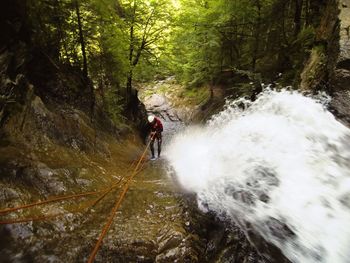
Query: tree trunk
[
  {"x": 297, "y": 16},
  {"x": 257, "y": 35},
  {"x": 129, "y": 87},
  {"x": 129, "y": 78},
  {"x": 283, "y": 26},
  {"x": 60, "y": 30},
  {"x": 88, "y": 82},
  {"x": 131, "y": 54},
  {"x": 81, "y": 40},
  {"x": 307, "y": 12}
]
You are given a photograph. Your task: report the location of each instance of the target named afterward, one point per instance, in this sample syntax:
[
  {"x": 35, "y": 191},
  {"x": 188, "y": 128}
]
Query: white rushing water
[{"x": 282, "y": 164}]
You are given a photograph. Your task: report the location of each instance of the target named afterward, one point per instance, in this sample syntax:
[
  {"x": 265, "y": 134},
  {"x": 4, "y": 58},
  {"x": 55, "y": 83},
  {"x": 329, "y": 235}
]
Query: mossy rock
[{"x": 315, "y": 69}]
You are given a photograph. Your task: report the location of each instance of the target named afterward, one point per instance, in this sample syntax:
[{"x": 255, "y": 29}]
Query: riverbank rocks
[
  {"x": 155, "y": 102},
  {"x": 176, "y": 246}
]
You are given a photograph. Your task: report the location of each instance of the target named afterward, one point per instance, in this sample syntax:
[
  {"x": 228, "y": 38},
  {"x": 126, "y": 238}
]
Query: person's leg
[
  {"x": 152, "y": 147},
  {"x": 159, "y": 141}
]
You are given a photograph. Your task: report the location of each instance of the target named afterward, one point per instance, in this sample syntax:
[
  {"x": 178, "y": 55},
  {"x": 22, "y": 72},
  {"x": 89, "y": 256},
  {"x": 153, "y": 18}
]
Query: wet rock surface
[
  {"x": 149, "y": 227},
  {"x": 340, "y": 104},
  {"x": 165, "y": 98}
]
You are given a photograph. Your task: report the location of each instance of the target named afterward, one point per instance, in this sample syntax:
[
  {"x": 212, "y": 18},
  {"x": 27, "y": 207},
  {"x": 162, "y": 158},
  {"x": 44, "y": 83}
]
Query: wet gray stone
[
  {"x": 8, "y": 194},
  {"x": 170, "y": 240}
]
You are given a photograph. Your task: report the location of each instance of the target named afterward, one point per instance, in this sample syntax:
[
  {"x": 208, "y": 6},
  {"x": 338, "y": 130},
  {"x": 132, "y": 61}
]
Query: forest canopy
[{"x": 118, "y": 43}]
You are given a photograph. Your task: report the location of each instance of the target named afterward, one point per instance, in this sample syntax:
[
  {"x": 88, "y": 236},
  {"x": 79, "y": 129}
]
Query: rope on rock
[
  {"x": 118, "y": 202},
  {"x": 103, "y": 192},
  {"x": 54, "y": 199}
]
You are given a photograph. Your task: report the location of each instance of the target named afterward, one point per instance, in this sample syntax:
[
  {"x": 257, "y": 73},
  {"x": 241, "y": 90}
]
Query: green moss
[
  {"x": 306, "y": 38},
  {"x": 196, "y": 96},
  {"x": 315, "y": 69}
]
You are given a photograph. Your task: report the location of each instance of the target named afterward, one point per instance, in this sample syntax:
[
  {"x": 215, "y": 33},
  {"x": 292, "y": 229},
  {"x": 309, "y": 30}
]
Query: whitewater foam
[{"x": 281, "y": 163}]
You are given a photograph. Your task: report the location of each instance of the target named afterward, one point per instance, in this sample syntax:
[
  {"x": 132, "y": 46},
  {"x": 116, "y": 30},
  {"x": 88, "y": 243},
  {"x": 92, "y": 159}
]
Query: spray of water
[{"x": 281, "y": 163}]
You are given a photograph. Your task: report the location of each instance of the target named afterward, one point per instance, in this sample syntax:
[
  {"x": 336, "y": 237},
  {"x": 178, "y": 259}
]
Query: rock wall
[
  {"x": 318, "y": 69},
  {"x": 343, "y": 62},
  {"x": 341, "y": 82}
]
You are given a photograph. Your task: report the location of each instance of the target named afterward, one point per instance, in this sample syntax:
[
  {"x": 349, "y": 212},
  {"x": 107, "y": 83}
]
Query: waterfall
[{"x": 280, "y": 164}]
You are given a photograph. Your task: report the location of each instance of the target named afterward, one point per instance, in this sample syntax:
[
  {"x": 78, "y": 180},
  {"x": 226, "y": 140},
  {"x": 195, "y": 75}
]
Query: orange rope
[
  {"x": 139, "y": 168},
  {"x": 39, "y": 218},
  {"x": 58, "y": 198},
  {"x": 111, "y": 188},
  {"x": 55, "y": 199},
  {"x": 116, "y": 206},
  {"x": 31, "y": 219}
]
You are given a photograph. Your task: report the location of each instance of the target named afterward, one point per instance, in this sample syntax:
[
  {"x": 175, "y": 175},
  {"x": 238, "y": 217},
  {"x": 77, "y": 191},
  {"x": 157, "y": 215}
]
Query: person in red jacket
[{"x": 156, "y": 128}]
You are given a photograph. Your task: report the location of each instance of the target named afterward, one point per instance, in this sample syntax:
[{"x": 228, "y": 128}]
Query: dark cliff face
[
  {"x": 341, "y": 80},
  {"x": 340, "y": 105},
  {"x": 20, "y": 56},
  {"x": 318, "y": 71},
  {"x": 13, "y": 57},
  {"x": 328, "y": 66},
  {"x": 29, "y": 70},
  {"x": 13, "y": 26}
]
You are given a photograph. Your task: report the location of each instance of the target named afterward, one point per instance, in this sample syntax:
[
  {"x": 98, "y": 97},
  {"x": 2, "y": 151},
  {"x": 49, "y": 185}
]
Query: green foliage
[
  {"x": 115, "y": 107},
  {"x": 150, "y": 23},
  {"x": 195, "y": 43},
  {"x": 195, "y": 40},
  {"x": 216, "y": 35},
  {"x": 306, "y": 38},
  {"x": 196, "y": 96}
]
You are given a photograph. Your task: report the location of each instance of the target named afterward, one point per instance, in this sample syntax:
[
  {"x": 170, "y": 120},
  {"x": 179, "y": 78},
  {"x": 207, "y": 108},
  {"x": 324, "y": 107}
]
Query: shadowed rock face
[
  {"x": 58, "y": 152},
  {"x": 344, "y": 42},
  {"x": 341, "y": 84},
  {"x": 49, "y": 149}
]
